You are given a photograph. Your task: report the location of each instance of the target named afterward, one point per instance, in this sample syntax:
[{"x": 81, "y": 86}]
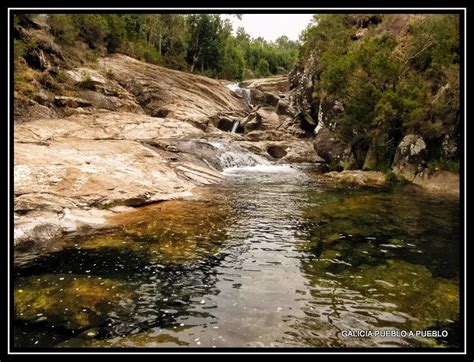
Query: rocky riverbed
[{"x": 143, "y": 135}]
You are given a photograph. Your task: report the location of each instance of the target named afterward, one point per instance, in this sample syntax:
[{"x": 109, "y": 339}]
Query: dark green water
[{"x": 269, "y": 258}]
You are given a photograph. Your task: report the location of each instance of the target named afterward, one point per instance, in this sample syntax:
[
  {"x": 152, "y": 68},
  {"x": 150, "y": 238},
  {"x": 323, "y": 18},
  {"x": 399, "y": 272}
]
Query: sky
[{"x": 271, "y": 26}]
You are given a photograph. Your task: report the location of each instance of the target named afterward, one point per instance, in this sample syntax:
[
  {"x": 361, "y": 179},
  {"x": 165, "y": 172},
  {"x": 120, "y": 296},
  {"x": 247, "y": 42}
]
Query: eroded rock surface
[{"x": 134, "y": 133}]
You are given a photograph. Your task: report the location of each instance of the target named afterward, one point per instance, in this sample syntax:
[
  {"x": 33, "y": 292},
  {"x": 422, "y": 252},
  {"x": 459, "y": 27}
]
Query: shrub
[
  {"x": 63, "y": 28},
  {"x": 263, "y": 68},
  {"x": 87, "y": 82},
  {"x": 93, "y": 29}
]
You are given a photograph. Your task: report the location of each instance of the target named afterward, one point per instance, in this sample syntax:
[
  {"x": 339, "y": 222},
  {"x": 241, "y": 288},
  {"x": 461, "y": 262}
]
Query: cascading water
[
  {"x": 243, "y": 93},
  {"x": 235, "y": 159},
  {"x": 235, "y": 126}
]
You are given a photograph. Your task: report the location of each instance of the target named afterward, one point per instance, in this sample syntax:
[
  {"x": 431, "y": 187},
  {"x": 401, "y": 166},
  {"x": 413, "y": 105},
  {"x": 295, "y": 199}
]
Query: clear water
[{"x": 264, "y": 259}]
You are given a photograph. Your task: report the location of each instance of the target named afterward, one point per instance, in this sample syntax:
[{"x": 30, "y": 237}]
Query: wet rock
[
  {"x": 377, "y": 147},
  {"x": 332, "y": 149},
  {"x": 410, "y": 157},
  {"x": 68, "y": 301},
  {"x": 356, "y": 177},
  {"x": 276, "y": 151},
  {"x": 171, "y": 148},
  {"x": 39, "y": 235},
  {"x": 301, "y": 80},
  {"x": 226, "y": 124},
  {"x": 143, "y": 339},
  {"x": 97, "y": 161},
  {"x": 270, "y": 99}
]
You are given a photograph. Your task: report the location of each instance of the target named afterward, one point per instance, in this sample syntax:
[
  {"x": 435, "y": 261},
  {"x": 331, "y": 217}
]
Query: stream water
[{"x": 271, "y": 257}]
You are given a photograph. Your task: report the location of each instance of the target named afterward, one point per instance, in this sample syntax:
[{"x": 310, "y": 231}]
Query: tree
[
  {"x": 208, "y": 34},
  {"x": 262, "y": 69},
  {"x": 117, "y": 32},
  {"x": 93, "y": 28},
  {"x": 232, "y": 63},
  {"x": 63, "y": 28}
]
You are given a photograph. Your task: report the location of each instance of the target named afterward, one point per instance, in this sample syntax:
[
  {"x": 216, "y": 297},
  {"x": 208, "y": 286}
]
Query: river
[{"x": 273, "y": 256}]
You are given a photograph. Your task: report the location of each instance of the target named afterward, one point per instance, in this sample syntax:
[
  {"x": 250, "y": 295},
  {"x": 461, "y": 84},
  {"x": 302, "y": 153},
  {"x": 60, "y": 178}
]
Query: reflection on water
[{"x": 265, "y": 259}]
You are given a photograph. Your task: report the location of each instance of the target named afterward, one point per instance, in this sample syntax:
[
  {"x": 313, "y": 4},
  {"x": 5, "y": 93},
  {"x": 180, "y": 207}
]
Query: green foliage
[
  {"x": 93, "y": 28},
  {"x": 263, "y": 68},
  {"x": 63, "y": 28},
  {"x": 394, "y": 178},
  {"x": 441, "y": 164},
  {"x": 232, "y": 63},
  {"x": 389, "y": 84},
  {"x": 117, "y": 34},
  {"x": 193, "y": 42}
]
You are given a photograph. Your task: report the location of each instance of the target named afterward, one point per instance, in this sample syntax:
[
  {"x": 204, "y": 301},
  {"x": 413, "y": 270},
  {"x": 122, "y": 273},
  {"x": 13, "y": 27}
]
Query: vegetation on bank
[
  {"x": 394, "y": 74},
  {"x": 192, "y": 42}
]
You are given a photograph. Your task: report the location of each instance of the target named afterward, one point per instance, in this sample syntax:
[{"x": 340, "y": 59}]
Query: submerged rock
[
  {"x": 142, "y": 339},
  {"x": 70, "y": 301},
  {"x": 357, "y": 177}
]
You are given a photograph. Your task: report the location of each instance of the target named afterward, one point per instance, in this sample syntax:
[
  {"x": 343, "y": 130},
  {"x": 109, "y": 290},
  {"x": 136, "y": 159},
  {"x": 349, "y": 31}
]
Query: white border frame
[{"x": 231, "y": 10}]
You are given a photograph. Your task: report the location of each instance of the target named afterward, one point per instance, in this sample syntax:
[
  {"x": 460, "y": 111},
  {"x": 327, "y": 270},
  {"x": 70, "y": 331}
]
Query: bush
[
  {"x": 142, "y": 50},
  {"x": 232, "y": 64},
  {"x": 93, "y": 29},
  {"x": 62, "y": 27},
  {"x": 263, "y": 68}
]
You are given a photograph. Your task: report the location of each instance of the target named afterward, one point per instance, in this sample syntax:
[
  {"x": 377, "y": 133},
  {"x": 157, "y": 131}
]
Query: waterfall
[
  {"x": 235, "y": 126},
  {"x": 243, "y": 93},
  {"x": 234, "y": 160}
]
